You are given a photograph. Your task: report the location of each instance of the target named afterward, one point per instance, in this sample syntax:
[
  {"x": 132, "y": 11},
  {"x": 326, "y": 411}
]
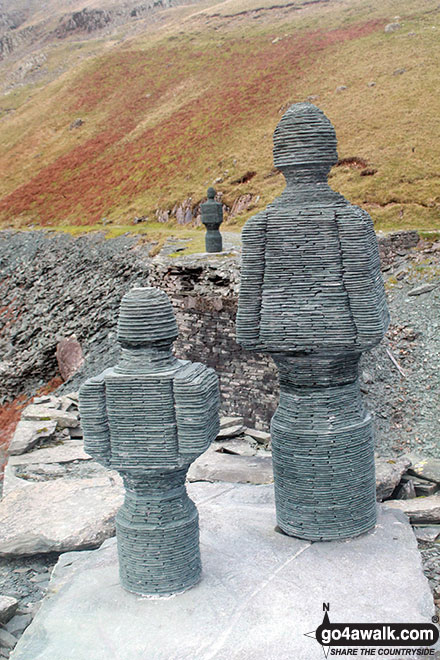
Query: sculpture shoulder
[
  {"x": 197, "y": 402},
  {"x": 193, "y": 374},
  {"x": 96, "y": 382},
  {"x": 256, "y": 224}
]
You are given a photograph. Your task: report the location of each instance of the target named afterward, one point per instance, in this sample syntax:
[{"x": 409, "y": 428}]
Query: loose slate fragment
[
  {"x": 312, "y": 295},
  {"x": 150, "y": 417}
]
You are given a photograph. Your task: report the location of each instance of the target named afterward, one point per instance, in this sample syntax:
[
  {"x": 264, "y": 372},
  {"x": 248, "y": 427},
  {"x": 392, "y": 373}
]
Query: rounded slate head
[
  {"x": 146, "y": 317},
  {"x": 304, "y": 137},
  {"x": 211, "y": 193}
]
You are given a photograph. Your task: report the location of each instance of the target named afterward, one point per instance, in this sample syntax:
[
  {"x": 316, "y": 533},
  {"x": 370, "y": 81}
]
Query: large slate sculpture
[
  {"x": 212, "y": 217},
  {"x": 312, "y": 296},
  {"x": 149, "y": 417}
]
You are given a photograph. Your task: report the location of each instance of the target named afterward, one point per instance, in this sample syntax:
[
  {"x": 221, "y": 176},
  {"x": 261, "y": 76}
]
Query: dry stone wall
[{"x": 55, "y": 286}]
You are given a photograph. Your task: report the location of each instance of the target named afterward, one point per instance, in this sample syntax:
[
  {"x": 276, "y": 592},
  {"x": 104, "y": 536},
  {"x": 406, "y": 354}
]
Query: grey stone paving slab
[{"x": 261, "y": 591}]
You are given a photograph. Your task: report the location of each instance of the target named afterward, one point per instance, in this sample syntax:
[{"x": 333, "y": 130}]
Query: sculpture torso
[{"x": 317, "y": 247}]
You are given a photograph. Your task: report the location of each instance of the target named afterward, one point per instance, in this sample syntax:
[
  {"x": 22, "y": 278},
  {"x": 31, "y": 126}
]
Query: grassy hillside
[{"x": 194, "y": 102}]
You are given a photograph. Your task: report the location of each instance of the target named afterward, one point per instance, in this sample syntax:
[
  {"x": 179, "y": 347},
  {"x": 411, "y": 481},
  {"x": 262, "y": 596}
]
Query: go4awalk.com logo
[{"x": 392, "y": 640}]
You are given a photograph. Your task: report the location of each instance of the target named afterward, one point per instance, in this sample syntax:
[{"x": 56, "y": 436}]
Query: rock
[
  {"x": 425, "y": 288},
  {"x": 69, "y": 356},
  {"x": 28, "y": 433},
  {"x": 398, "y": 72},
  {"x": 7, "y": 640},
  {"x": 341, "y": 88},
  {"x": 76, "y": 123},
  {"x": 422, "y": 486},
  {"x": 40, "y": 577},
  {"x": 367, "y": 377},
  {"x": 372, "y": 84},
  {"x": 428, "y": 468},
  {"x": 260, "y": 436},
  {"x": 230, "y": 432},
  {"x": 8, "y": 607},
  {"x": 60, "y": 515},
  {"x": 388, "y": 475},
  {"x": 227, "y": 422},
  {"x": 421, "y": 510},
  {"x": 76, "y": 433},
  {"x": 42, "y": 399},
  {"x": 237, "y": 447},
  {"x": 70, "y": 450},
  {"x": 63, "y": 419},
  {"x": 427, "y": 533},
  {"x": 214, "y": 466},
  {"x": 392, "y": 27},
  {"x": 18, "y": 623},
  {"x": 253, "y": 579},
  {"x": 406, "y": 491}
]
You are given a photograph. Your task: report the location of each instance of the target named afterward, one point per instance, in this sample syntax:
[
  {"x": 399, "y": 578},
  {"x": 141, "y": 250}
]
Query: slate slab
[
  {"x": 8, "y": 607},
  {"x": 261, "y": 591},
  {"x": 28, "y": 433},
  {"x": 63, "y": 418},
  {"x": 260, "y": 436},
  {"x": 59, "y": 515},
  {"x": 421, "y": 510},
  {"x": 429, "y": 533},
  {"x": 71, "y": 450},
  {"x": 216, "y": 466},
  {"x": 427, "y": 468}
]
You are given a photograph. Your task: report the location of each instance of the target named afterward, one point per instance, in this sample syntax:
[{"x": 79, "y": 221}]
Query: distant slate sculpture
[
  {"x": 312, "y": 296},
  {"x": 150, "y": 417},
  {"x": 212, "y": 217}
]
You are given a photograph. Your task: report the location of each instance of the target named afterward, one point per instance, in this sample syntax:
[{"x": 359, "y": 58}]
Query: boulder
[
  {"x": 28, "y": 433},
  {"x": 59, "y": 515},
  {"x": 388, "y": 475},
  {"x": 421, "y": 510},
  {"x": 69, "y": 357},
  {"x": 8, "y": 607}
]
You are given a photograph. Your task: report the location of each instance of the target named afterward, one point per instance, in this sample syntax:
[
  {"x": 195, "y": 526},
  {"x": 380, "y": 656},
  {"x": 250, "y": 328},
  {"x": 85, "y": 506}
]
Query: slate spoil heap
[
  {"x": 149, "y": 418},
  {"x": 312, "y": 296}
]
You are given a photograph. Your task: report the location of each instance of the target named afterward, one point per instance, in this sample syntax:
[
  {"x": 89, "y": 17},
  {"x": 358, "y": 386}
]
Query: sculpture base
[
  {"x": 323, "y": 454},
  {"x": 261, "y": 592},
  {"x": 157, "y": 530}
]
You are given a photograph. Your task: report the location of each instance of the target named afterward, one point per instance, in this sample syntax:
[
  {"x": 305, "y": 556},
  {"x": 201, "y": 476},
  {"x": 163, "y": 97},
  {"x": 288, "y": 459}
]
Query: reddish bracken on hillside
[{"x": 241, "y": 85}]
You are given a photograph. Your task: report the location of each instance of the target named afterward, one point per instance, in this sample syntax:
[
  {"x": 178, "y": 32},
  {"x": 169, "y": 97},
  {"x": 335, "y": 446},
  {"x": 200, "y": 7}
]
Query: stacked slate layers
[
  {"x": 150, "y": 417},
  {"x": 312, "y": 296},
  {"x": 212, "y": 217}
]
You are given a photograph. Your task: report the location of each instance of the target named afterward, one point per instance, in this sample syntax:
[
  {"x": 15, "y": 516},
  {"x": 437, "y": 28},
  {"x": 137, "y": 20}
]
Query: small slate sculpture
[
  {"x": 150, "y": 417},
  {"x": 212, "y": 217},
  {"x": 312, "y": 296}
]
